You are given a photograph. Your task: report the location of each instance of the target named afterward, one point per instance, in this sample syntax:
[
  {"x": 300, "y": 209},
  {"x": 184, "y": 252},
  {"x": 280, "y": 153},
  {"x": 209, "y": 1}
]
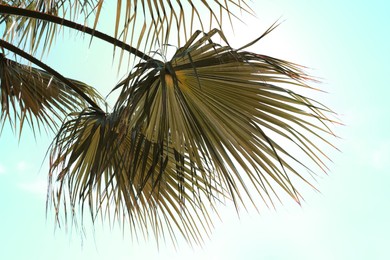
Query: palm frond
[
  {"x": 159, "y": 19},
  {"x": 37, "y": 97},
  {"x": 32, "y": 34},
  {"x": 91, "y": 166},
  {"x": 33, "y": 31},
  {"x": 231, "y": 112},
  {"x": 7, "y": 10},
  {"x": 213, "y": 123}
]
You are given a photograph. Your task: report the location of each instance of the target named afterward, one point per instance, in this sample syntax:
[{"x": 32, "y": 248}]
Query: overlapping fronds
[
  {"x": 158, "y": 20},
  {"x": 231, "y": 112},
  {"x": 95, "y": 162},
  {"x": 213, "y": 123},
  {"x": 29, "y": 33},
  {"x": 33, "y": 95}
]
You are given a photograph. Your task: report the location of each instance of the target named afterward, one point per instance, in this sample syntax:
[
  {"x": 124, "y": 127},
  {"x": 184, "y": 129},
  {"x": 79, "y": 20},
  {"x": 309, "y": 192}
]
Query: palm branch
[
  {"x": 37, "y": 96},
  {"x": 29, "y": 33},
  {"x": 90, "y": 156},
  {"x": 7, "y": 10},
  {"x": 157, "y": 19},
  {"x": 213, "y": 123}
]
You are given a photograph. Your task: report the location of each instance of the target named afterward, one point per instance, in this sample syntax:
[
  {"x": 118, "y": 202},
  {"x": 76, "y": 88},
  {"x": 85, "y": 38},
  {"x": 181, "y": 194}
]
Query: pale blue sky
[{"x": 346, "y": 44}]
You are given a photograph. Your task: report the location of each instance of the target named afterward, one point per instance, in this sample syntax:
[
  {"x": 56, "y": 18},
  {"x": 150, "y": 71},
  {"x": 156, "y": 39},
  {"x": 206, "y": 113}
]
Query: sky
[{"x": 346, "y": 45}]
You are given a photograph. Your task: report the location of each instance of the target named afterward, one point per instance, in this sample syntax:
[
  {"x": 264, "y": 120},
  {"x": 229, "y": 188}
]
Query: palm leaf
[
  {"x": 212, "y": 124},
  {"x": 7, "y": 10},
  {"x": 29, "y": 33},
  {"x": 231, "y": 112},
  {"x": 91, "y": 165},
  {"x": 157, "y": 19},
  {"x": 37, "y": 97},
  {"x": 34, "y": 22}
]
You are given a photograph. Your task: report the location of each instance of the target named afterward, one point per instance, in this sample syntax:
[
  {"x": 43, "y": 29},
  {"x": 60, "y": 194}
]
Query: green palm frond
[
  {"x": 159, "y": 19},
  {"x": 33, "y": 95},
  {"x": 91, "y": 164},
  {"x": 31, "y": 34}
]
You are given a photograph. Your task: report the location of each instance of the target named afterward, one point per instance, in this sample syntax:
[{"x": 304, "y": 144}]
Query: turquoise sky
[{"x": 347, "y": 45}]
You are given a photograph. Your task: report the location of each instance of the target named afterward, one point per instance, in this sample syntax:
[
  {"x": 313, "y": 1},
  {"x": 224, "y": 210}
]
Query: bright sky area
[{"x": 345, "y": 44}]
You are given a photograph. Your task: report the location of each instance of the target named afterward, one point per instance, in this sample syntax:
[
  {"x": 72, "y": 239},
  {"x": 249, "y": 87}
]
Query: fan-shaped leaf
[
  {"x": 90, "y": 156},
  {"x": 212, "y": 123},
  {"x": 232, "y": 112}
]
